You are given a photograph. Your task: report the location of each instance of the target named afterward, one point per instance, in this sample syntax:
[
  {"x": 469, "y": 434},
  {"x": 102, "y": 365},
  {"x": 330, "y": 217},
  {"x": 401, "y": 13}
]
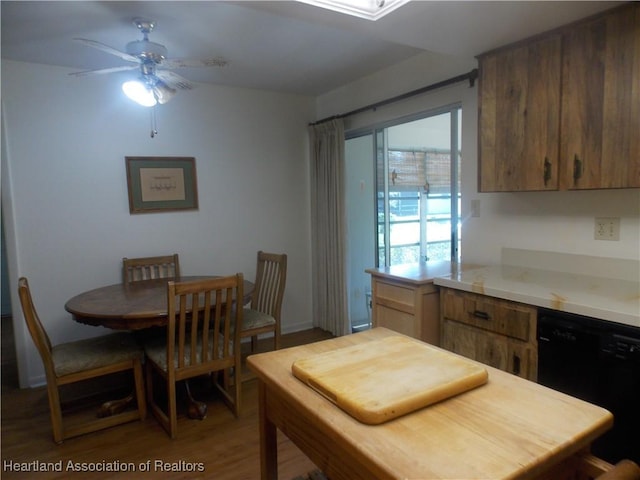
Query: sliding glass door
[
  {"x": 360, "y": 193},
  {"x": 403, "y": 198}
]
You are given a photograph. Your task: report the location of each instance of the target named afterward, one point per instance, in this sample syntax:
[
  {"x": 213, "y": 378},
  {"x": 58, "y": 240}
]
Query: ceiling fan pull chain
[{"x": 154, "y": 123}]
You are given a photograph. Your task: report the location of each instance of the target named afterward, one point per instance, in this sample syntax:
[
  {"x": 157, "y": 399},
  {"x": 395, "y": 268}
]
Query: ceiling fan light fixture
[
  {"x": 156, "y": 84},
  {"x": 162, "y": 92},
  {"x": 369, "y": 9},
  {"x": 139, "y": 92}
]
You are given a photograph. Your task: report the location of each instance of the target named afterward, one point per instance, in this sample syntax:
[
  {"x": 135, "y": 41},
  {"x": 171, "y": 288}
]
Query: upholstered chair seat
[
  {"x": 156, "y": 351},
  {"x": 92, "y": 353},
  {"x": 256, "y": 319}
]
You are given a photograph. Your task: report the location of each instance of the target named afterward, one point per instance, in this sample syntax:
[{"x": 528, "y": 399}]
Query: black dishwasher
[{"x": 597, "y": 361}]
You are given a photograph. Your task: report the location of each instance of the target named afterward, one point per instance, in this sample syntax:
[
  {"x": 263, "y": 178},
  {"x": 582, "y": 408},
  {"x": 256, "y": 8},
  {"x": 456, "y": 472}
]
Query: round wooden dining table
[{"x": 135, "y": 306}]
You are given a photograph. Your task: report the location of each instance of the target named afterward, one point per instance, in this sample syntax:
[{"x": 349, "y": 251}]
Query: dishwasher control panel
[{"x": 622, "y": 347}]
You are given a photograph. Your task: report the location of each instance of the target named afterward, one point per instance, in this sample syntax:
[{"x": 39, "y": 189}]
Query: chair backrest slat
[
  {"x": 150, "y": 268},
  {"x": 192, "y": 320},
  {"x": 204, "y": 323},
  {"x": 270, "y": 282},
  {"x": 226, "y": 326}
]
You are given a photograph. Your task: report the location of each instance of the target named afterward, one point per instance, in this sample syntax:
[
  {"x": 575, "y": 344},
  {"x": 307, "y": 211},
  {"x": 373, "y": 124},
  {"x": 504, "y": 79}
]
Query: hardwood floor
[{"x": 223, "y": 447}]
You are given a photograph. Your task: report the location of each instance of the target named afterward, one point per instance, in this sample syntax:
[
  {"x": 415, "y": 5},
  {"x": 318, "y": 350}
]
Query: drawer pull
[
  {"x": 577, "y": 168},
  {"x": 481, "y": 314},
  {"x": 516, "y": 364},
  {"x": 546, "y": 176}
]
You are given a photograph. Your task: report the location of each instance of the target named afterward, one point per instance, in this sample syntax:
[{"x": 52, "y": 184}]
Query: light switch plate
[{"x": 475, "y": 208}]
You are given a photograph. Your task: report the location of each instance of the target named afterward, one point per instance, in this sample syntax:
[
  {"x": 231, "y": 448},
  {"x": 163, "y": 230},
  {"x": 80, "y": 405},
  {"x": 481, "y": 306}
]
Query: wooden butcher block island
[
  {"x": 384, "y": 379},
  {"x": 507, "y": 428}
]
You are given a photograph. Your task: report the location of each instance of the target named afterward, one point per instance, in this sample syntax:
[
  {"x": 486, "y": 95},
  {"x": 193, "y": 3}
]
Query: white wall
[
  {"x": 64, "y": 192},
  {"x": 548, "y": 221},
  {"x": 419, "y": 71}
]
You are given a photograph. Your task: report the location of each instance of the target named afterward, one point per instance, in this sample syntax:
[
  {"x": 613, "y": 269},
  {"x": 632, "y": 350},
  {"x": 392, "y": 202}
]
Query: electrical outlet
[{"x": 607, "y": 228}]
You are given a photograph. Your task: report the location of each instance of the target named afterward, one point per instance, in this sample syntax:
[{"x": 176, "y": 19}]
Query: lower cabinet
[
  {"x": 406, "y": 307},
  {"x": 489, "y": 348},
  {"x": 496, "y": 332}
]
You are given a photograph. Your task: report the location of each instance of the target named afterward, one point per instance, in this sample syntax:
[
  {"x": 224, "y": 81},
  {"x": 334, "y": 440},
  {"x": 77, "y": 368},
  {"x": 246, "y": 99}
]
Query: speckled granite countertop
[{"x": 613, "y": 299}]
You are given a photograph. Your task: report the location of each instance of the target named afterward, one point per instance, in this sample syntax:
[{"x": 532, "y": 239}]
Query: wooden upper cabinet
[
  {"x": 600, "y": 129},
  {"x": 519, "y": 117},
  {"x": 562, "y": 111}
]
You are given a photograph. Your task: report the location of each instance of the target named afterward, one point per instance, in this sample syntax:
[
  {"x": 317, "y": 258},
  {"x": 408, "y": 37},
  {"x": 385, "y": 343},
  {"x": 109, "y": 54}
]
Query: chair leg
[
  {"x": 56, "y": 412},
  {"x": 172, "y": 407},
  {"x": 140, "y": 393},
  {"x": 149, "y": 384},
  {"x": 230, "y": 386},
  {"x": 238, "y": 390},
  {"x": 151, "y": 402},
  {"x": 163, "y": 418},
  {"x": 226, "y": 378}
]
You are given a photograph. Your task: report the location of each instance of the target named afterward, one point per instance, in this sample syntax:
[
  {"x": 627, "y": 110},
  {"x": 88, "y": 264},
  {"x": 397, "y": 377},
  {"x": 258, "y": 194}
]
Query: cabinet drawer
[
  {"x": 500, "y": 316},
  {"x": 396, "y": 297}
]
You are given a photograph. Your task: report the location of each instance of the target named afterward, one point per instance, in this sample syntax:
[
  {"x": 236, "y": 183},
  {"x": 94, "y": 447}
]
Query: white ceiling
[{"x": 284, "y": 46}]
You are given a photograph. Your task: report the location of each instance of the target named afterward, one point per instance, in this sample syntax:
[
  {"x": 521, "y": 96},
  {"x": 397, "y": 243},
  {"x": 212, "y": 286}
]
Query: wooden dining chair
[
  {"x": 148, "y": 268},
  {"x": 81, "y": 360},
  {"x": 263, "y": 314},
  {"x": 623, "y": 470},
  {"x": 201, "y": 338},
  {"x": 593, "y": 467}
]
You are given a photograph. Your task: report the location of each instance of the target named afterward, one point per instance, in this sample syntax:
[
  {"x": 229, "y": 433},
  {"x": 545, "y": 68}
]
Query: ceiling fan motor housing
[{"x": 146, "y": 50}]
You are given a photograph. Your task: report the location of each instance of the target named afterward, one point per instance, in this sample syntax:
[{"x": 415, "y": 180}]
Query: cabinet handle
[
  {"x": 482, "y": 315},
  {"x": 577, "y": 168},
  {"x": 516, "y": 364},
  {"x": 547, "y": 171}
]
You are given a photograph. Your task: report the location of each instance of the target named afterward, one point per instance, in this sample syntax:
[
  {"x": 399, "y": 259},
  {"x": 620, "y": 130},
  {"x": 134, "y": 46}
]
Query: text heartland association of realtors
[{"x": 102, "y": 466}]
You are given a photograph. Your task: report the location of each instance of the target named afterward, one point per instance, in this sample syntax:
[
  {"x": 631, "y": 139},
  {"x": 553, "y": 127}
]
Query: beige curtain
[{"x": 328, "y": 227}]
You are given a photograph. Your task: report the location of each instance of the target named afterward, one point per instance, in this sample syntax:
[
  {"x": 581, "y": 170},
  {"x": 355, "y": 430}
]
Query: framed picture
[{"x": 161, "y": 184}]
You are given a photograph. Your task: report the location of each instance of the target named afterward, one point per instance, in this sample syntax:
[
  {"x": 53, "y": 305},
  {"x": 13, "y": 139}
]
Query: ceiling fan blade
[
  {"x": 193, "y": 62},
  {"x": 174, "y": 80},
  {"x": 104, "y": 70},
  {"x": 108, "y": 49}
]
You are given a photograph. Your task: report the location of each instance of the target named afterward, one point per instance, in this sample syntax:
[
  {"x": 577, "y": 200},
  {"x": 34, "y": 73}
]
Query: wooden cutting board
[{"x": 381, "y": 380}]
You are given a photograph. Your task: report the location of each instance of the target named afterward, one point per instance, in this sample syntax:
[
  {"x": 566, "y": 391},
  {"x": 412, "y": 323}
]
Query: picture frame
[{"x": 161, "y": 184}]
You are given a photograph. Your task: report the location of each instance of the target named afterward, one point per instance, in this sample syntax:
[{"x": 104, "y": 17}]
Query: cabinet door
[
  {"x": 519, "y": 360},
  {"x": 488, "y": 348},
  {"x": 519, "y": 117},
  {"x": 475, "y": 344},
  {"x": 397, "y": 321},
  {"x": 600, "y": 145}
]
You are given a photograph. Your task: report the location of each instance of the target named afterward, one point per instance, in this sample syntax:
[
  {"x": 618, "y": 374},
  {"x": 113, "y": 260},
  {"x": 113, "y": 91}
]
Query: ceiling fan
[{"x": 156, "y": 84}]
